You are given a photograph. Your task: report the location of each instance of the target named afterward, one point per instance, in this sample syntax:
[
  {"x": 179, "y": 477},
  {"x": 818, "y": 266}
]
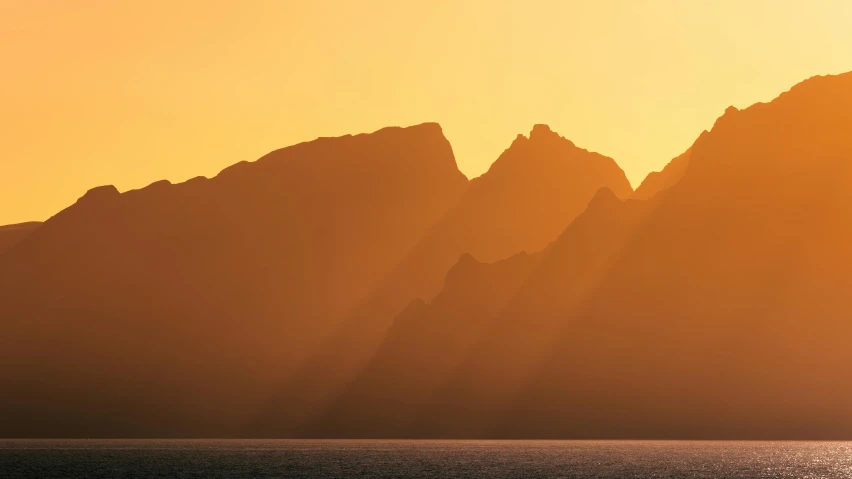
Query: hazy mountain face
[
  {"x": 424, "y": 345},
  {"x": 718, "y": 309},
  {"x": 451, "y": 368},
  {"x": 727, "y": 315},
  {"x": 173, "y": 309},
  {"x": 528, "y": 196},
  {"x": 478, "y": 395}
]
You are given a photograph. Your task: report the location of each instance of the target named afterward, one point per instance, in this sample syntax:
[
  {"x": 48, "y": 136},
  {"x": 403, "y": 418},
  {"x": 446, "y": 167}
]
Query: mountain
[
  {"x": 724, "y": 313},
  {"x": 10, "y": 235},
  {"x": 429, "y": 340},
  {"x": 716, "y": 310},
  {"x": 473, "y": 400},
  {"x": 657, "y": 181},
  {"x": 728, "y": 315},
  {"x": 174, "y": 309},
  {"x": 541, "y": 300},
  {"x": 526, "y": 198}
]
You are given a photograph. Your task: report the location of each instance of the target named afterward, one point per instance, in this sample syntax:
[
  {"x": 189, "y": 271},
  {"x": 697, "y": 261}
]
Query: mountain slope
[
  {"x": 423, "y": 347},
  {"x": 727, "y": 317},
  {"x": 10, "y": 235},
  {"x": 172, "y": 310},
  {"x": 658, "y": 181},
  {"x": 475, "y": 398},
  {"x": 527, "y": 197},
  {"x": 717, "y": 310}
]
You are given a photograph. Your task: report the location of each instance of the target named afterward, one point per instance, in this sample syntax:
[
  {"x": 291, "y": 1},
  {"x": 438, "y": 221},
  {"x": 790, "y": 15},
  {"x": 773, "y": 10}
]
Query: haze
[{"x": 129, "y": 93}]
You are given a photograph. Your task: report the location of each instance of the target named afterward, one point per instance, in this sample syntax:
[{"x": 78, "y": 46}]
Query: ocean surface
[{"x": 421, "y": 459}]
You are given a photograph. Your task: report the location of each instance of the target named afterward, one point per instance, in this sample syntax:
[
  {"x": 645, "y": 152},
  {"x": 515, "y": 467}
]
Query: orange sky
[{"x": 126, "y": 93}]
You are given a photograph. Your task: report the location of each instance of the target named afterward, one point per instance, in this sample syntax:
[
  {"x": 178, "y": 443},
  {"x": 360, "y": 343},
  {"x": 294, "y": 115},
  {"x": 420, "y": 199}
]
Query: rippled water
[{"x": 420, "y": 459}]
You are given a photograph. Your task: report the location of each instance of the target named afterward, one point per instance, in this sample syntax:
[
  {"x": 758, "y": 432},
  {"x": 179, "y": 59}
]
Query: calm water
[{"x": 419, "y": 459}]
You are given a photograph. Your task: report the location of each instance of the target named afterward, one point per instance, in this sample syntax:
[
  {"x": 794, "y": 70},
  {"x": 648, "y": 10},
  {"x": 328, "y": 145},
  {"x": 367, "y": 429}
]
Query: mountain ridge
[
  {"x": 206, "y": 269},
  {"x": 361, "y": 286},
  {"x": 526, "y": 198}
]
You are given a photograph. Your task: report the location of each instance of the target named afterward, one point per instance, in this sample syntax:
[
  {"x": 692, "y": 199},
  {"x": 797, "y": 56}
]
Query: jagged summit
[
  {"x": 540, "y": 132},
  {"x": 546, "y": 152},
  {"x": 539, "y": 184}
]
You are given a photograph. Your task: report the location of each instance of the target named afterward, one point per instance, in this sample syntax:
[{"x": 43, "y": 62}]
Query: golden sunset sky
[{"x": 127, "y": 93}]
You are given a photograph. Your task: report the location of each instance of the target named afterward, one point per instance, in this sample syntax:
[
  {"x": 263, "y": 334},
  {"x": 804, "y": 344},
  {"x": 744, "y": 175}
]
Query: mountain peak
[
  {"x": 545, "y": 152},
  {"x": 540, "y": 129},
  {"x": 518, "y": 143},
  {"x": 541, "y": 132},
  {"x": 100, "y": 194}
]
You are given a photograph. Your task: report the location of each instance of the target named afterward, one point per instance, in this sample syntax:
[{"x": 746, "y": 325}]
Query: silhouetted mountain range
[
  {"x": 727, "y": 314},
  {"x": 425, "y": 344},
  {"x": 530, "y": 193},
  {"x": 175, "y": 308},
  {"x": 362, "y": 287}
]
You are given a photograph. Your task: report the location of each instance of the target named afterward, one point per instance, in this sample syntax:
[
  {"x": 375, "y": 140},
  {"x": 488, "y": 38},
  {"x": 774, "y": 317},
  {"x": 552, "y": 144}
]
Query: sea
[{"x": 90, "y": 458}]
